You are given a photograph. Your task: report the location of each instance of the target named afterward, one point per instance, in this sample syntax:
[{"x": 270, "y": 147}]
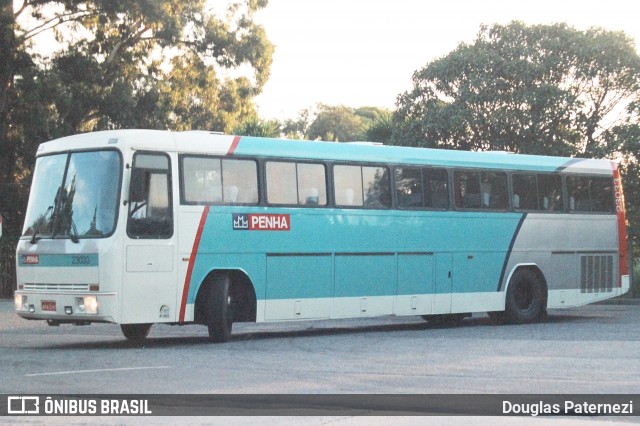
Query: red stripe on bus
[
  {"x": 234, "y": 145},
  {"x": 622, "y": 223},
  {"x": 192, "y": 260}
]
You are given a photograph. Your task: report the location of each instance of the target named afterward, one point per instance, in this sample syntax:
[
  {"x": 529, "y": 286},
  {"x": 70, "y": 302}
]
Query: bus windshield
[{"x": 74, "y": 195}]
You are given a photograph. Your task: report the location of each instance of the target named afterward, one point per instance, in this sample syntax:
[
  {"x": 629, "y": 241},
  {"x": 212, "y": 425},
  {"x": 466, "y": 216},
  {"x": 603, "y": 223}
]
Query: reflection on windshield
[{"x": 74, "y": 195}]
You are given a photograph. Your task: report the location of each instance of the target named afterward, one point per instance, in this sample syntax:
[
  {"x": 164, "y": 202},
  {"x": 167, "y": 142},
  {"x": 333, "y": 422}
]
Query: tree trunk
[{"x": 7, "y": 71}]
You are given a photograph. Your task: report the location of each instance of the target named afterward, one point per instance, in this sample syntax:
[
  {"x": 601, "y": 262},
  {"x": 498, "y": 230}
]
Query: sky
[{"x": 363, "y": 52}]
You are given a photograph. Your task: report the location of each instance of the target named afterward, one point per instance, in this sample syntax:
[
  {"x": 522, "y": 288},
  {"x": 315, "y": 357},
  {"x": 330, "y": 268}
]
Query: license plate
[{"x": 48, "y": 305}]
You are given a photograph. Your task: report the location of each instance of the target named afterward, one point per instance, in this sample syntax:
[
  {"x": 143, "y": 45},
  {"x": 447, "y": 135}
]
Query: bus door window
[{"x": 150, "y": 198}]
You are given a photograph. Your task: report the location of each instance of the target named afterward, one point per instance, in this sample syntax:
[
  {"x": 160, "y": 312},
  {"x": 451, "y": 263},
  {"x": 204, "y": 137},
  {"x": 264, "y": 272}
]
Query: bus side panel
[
  {"x": 416, "y": 284},
  {"x": 577, "y": 254},
  {"x": 365, "y": 284},
  {"x": 342, "y": 263},
  {"x": 299, "y": 286}
]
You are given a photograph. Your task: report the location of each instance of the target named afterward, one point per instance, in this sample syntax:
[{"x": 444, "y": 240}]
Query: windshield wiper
[
  {"x": 73, "y": 231},
  {"x": 35, "y": 238}
]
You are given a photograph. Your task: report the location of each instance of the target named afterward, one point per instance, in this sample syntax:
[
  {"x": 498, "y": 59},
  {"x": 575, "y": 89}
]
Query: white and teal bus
[{"x": 137, "y": 227}]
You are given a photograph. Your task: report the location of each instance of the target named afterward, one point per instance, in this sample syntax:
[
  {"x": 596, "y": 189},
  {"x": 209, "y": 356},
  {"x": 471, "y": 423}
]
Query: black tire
[
  {"x": 135, "y": 332},
  {"x": 218, "y": 307},
  {"x": 526, "y": 300}
]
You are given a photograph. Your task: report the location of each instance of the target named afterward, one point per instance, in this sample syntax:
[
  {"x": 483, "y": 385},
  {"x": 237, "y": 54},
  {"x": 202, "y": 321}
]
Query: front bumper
[{"x": 67, "y": 307}]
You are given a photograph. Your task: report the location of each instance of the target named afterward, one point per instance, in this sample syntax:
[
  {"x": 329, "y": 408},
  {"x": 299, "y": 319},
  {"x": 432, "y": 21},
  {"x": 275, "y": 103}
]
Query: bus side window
[
  {"x": 578, "y": 190},
  {"x": 281, "y": 183},
  {"x": 493, "y": 187},
  {"x": 201, "y": 180},
  {"x": 291, "y": 183},
  {"x": 348, "y": 186},
  {"x": 525, "y": 192},
  {"x": 481, "y": 190},
  {"x": 467, "y": 190},
  {"x": 436, "y": 188},
  {"x": 590, "y": 194},
  {"x": 602, "y": 197},
  {"x": 409, "y": 187},
  {"x": 550, "y": 192},
  {"x": 376, "y": 187},
  {"x": 211, "y": 180},
  {"x": 422, "y": 188},
  {"x": 312, "y": 184},
  {"x": 150, "y": 198}
]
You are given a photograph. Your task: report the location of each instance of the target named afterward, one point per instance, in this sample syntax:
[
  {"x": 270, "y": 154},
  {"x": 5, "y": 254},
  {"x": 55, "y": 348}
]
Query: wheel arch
[
  {"x": 535, "y": 269},
  {"x": 242, "y": 291}
]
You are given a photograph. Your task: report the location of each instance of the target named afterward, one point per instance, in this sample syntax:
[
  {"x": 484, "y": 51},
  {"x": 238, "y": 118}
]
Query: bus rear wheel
[
  {"x": 218, "y": 309},
  {"x": 526, "y": 298},
  {"x": 135, "y": 332}
]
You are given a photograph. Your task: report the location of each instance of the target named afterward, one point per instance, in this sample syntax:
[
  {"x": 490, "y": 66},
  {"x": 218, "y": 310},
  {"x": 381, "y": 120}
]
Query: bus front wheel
[
  {"x": 218, "y": 309},
  {"x": 135, "y": 332},
  {"x": 526, "y": 298}
]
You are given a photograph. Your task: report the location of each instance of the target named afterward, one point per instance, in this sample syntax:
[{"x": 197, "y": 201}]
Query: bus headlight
[
  {"x": 20, "y": 302},
  {"x": 88, "y": 305}
]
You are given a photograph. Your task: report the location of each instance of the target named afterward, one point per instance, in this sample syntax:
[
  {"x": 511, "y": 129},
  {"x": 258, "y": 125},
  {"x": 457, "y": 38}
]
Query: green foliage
[
  {"x": 546, "y": 89},
  {"x": 296, "y": 128},
  {"x": 259, "y": 128},
  {"x": 336, "y": 124},
  {"x": 380, "y": 129},
  {"x": 344, "y": 124},
  {"x": 169, "y": 64}
]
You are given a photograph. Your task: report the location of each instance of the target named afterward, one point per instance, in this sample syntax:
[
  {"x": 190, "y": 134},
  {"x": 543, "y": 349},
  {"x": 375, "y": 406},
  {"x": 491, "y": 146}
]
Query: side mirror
[{"x": 139, "y": 187}]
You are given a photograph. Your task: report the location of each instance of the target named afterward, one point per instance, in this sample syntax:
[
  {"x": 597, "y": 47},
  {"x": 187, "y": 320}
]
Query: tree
[
  {"x": 381, "y": 128},
  {"x": 534, "y": 89},
  {"x": 147, "y": 63},
  {"x": 259, "y": 128},
  {"x": 297, "y": 128},
  {"x": 342, "y": 123},
  {"x": 335, "y": 124}
]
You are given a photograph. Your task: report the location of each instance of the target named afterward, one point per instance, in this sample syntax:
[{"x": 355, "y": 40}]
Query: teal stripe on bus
[
  {"x": 329, "y": 253},
  {"x": 58, "y": 260}
]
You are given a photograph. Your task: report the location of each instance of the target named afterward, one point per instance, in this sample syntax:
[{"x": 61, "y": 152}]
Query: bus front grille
[{"x": 55, "y": 287}]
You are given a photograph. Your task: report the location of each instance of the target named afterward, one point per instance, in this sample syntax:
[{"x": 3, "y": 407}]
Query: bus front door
[{"x": 149, "y": 287}]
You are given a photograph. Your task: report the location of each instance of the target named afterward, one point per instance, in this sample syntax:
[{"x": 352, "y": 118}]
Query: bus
[{"x": 139, "y": 227}]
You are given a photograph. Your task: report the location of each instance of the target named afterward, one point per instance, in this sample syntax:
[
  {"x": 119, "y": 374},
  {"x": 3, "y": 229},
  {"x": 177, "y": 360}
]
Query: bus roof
[{"x": 203, "y": 142}]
